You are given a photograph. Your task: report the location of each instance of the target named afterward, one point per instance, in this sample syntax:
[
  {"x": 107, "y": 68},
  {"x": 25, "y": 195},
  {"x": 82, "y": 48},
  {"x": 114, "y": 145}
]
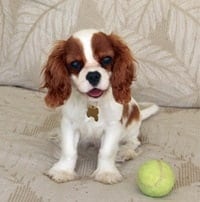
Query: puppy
[{"x": 90, "y": 75}]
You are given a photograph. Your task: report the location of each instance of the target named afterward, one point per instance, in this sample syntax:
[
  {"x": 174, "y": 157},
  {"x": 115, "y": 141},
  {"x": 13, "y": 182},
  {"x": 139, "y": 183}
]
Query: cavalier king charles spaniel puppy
[{"x": 90, "y": 75}]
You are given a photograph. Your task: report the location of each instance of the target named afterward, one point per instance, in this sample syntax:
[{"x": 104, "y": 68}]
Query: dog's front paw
[
  {"x": 61, "y": 176},
  {"x": 107, "y": 177}
]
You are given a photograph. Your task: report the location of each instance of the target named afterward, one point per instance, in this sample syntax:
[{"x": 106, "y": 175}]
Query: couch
[{"x": 164, "y": 37}]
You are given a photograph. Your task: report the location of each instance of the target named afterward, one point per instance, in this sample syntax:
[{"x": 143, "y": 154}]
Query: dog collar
[{"x": 93, "y": 111}]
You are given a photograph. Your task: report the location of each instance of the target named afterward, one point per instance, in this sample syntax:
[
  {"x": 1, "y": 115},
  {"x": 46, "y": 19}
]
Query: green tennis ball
[{"x": 155, "y": 178}]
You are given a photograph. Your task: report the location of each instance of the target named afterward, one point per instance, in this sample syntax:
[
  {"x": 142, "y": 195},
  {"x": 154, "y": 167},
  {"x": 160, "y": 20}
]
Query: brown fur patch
[
  {"x": 122, "y": 67},
  {"x": 102, "y": 47},
  {"x": 134, "y": 114},
  {"x": 74, "y": 53},
  {"x": 123, "y": 72},
  {"x": 57, "y": 72}
]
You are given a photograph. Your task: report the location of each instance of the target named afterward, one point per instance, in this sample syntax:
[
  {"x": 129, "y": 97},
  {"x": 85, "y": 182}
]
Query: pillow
[{"x": 163, "y": 35}]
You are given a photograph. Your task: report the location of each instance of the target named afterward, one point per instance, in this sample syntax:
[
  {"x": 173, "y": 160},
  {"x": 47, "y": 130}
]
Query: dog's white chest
[
  {"x": 91, "y": 128},
  {"x": 92, "y": 123},
  {"x": 92, "y": 119}
]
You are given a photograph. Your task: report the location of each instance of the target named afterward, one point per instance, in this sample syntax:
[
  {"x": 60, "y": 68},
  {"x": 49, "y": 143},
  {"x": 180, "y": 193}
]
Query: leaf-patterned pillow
[{"x": 163, "y": 35}]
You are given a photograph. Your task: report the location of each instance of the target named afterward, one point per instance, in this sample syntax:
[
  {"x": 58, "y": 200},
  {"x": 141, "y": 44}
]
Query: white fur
[
  {"x": 76, "y": 125},
  {"x": 149, "y": 109},
  {"x": 84, "y": 86},
  {"x": 85, "y": 37}
]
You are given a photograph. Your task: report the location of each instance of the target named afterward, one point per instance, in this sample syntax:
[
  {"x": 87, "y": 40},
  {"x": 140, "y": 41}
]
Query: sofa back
[{"x": 163, "y": 35}]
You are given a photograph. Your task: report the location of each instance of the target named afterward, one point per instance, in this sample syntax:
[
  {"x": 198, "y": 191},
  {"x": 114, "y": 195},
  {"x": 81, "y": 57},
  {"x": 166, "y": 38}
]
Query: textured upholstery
[
  {"x": 29, "y": 134},
  {"x": 164, "y": 36}
]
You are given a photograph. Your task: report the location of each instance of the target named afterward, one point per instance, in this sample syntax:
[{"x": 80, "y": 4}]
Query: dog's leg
[
  {"x": 106, "y": 171},
  {"x": 63, "y": 170},
  {"x": 128, "y": 151},
  {"x": 129, "y": 147}
]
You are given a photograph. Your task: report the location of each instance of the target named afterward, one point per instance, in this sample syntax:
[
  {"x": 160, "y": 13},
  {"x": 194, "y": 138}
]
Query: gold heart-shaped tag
[{"x": 93, "y": 112}]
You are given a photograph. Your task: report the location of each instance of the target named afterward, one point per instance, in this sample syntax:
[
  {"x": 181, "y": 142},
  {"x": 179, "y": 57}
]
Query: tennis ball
[{"x": 155, "y": 178}]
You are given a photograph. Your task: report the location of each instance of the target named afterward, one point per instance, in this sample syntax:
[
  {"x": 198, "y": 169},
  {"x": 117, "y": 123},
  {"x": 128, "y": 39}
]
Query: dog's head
[{"x": 93, "y": 62}]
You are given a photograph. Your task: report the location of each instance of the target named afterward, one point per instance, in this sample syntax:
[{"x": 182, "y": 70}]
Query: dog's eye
[
  {"x": 76, "y": 65},
  {"x": 107, "y": 60}
]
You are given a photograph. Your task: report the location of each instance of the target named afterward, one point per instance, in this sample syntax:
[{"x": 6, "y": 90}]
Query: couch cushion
[
  {"x": 30, "y": 145},
  {"x": 163, "y": 35}
]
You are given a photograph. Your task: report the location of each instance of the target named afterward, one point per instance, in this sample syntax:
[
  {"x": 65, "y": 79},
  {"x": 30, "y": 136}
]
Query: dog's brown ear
[
  {"x": 123, "y": 72},
  {"x": 56, "y": 76}
]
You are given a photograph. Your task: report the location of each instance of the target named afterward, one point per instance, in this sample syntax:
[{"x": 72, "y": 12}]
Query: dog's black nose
[{"x": 93, "y": 78}]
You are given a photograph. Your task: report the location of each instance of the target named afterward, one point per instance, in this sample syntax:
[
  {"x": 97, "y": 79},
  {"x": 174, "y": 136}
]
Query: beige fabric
[
  {"x": 29, "y": 145},
  {"x": 164, "y": 36}
]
